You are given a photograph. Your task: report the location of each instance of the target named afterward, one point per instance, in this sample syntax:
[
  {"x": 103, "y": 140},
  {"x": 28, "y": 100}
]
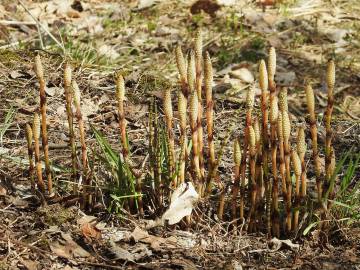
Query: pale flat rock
[{"x": 242, "y": 74}]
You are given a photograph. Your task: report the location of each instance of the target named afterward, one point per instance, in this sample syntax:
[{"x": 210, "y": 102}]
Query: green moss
[
  {"x": 10, "y": 58},
  {"x": 55, "y": 214}
]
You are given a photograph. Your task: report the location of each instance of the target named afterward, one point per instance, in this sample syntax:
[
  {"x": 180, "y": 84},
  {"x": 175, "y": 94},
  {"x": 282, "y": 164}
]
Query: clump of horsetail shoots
[
  {"x": 36, "y": 133},
  {"x": 84, "y": 158},
  {"x": 236, "y": 187},
  {"x": 310, "y": 100},
  {"x": 39, "y": 71},
  {"x": 301, "y": 150},
  {"x": 250, "y": 99},
  {"x": 198, "y": 86},
  {"x": 264, "y": 82},
  {"x": 330, "y": 82},
  {"x": 208, "y": 74},
  {"x": 29, "y": 139},
  {"x": 68, "y": 101},
  {"x": 169, "y": 126},
  {"x": 298, "y": 171}
]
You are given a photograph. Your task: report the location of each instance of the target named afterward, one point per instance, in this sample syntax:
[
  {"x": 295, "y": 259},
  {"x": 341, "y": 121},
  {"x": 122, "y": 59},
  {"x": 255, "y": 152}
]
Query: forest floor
[{"x": 138, "y": 38}]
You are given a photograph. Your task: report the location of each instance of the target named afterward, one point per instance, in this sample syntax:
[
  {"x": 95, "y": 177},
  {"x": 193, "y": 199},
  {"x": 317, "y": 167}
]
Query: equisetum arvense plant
[{"x": 266, "y": 148}]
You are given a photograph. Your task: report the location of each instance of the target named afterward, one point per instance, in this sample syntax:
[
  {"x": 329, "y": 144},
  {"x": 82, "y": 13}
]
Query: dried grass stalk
[
  {"x": 40, "y": 75},
  {"x": 36, "y": 133},
  {"x": 29, "y": 140}
]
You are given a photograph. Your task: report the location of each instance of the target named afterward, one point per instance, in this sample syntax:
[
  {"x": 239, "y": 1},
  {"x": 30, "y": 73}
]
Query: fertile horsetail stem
[
  {"x": 271, "y": 67},
  {"x": 208, "y": 75},
  {"x": 120, "y": 98},
  {"x": 273, "y": 143},
  {"x": 330, "y": 81},
  {"x": 181, "y": 65},
  {"x": 84, "y": 158},
  {"x": 194, "y": 104},
  {"x": 286, "y": 125},
  {"x": 236, "y": 187},
  {"x": 263, "y": 81},
  {"x": 168, "y": 110},
  {"x": 68, "y": 101},
  {"x": 40, "y": 75},
  {"x": 310, "y": 100},
  {"x": 29, "y": 139},
  {"x": 36, "y": 133},
  {"x": 301, "y": 150},
  {"x": 250, "y": 98},
  {"x": 274, "y": 114},
  {"x": 198, "y": 85},
  {"x": 182, "y": 105},
  {"x": 253, "y": 184},
  {"x": 297, "y": 170}
]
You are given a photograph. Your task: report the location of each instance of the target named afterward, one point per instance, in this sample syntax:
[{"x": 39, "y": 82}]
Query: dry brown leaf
[
  {"x": 90, "y": 231},
  {"x": 68, "y": 248},
  {"x": 155, "y": 242},
  {"x": 29, "y": 264}
]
